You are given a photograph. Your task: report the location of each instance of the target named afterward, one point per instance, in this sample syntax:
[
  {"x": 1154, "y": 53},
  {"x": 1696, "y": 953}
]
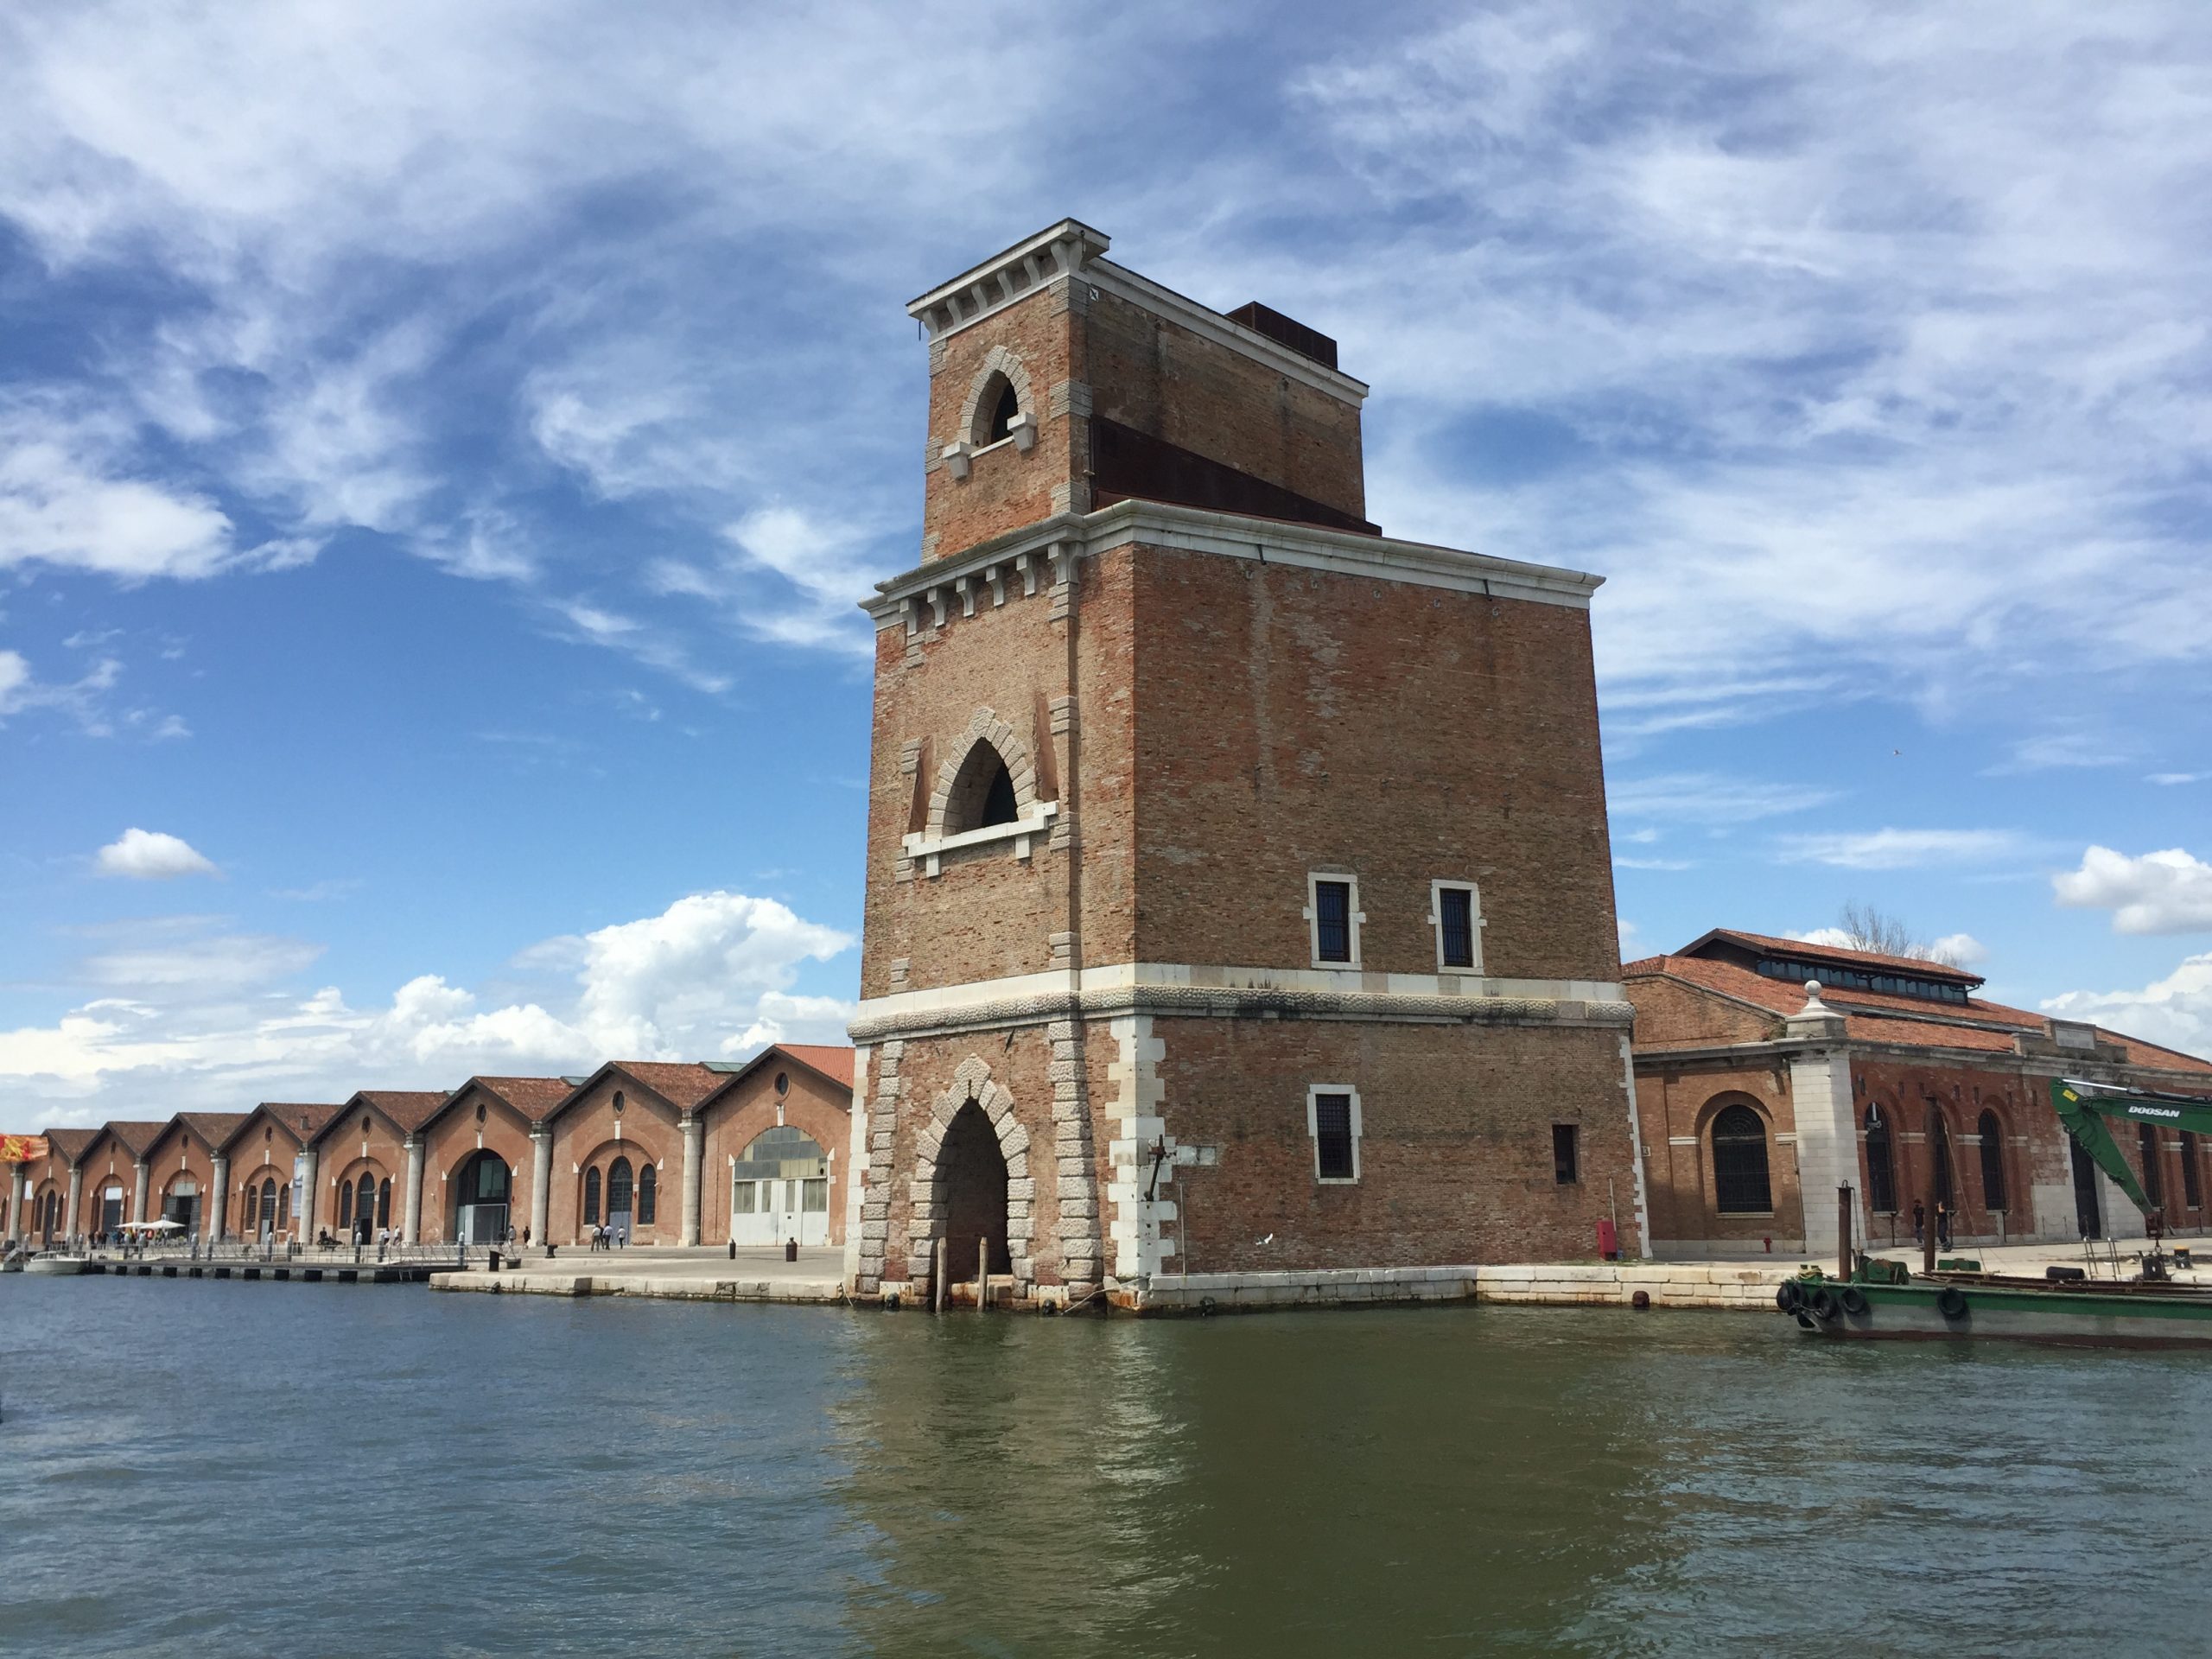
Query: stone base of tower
[{"x": 1134, "y": 1144}]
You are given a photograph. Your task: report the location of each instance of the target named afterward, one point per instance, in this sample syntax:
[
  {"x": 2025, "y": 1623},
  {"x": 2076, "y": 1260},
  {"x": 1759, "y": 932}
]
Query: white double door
[{"x": 769, "y": 1212}]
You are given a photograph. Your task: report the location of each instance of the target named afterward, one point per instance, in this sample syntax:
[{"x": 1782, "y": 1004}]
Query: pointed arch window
[
  {"x": 1992, "y": 1162},
  {"x": 648, "y": 1195},
  {"x": 591, "y": 1197}
]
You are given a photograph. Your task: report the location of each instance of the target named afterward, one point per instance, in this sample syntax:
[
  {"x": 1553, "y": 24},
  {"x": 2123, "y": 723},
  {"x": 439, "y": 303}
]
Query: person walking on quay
[
  {"x": 1942, "y": 1227},
  {"x": 1919, "y": 1220}
]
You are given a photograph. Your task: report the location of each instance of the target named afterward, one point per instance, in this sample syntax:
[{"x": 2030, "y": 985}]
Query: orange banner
[{"x": 21, "y": 1148}]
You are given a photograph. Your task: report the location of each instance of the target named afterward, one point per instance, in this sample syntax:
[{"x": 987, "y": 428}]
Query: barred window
[
  {"x": 648, "y": 1194},
  {"x": 2192, "y": 1179},
  {"x": 1881, "y": 1165},
  {"x": 1740, "y": 1186},
  {"x": 1332, "y": 921},
  {"x": 1332, "y": 1118},
  {"x": 1566, "y": 1167},
  {"x": 1457, "y": 919}
]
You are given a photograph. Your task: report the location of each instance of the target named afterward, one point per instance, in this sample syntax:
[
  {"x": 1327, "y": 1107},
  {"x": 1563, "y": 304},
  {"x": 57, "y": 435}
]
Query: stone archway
[{"x": 955, "y": 1164}]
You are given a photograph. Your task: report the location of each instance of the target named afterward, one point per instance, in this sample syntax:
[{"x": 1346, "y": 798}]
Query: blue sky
[{"x": 440, "y": 447}]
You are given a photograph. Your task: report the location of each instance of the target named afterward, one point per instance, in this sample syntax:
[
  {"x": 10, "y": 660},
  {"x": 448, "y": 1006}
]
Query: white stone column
[
  {"x": 139, "y": 1187},
  {"x": 218, "y": 1194},
  {"x": 410, "y": 1224},
  {"x": 310, "y": 1178},
  {"x": 16, "y": 1185},
  {"x": 541, "y": 1184},
  {"x": 1826, "y": 1125},
  {"x": 76, "y": 1197},
  {"x": 695, "y": 1134}
]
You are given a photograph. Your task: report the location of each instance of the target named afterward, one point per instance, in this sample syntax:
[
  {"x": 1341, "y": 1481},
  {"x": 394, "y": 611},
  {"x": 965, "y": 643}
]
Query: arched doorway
[
  {"x": 180, "y": 1204},
  {"x": 480, "y": 1199},
  {"x": 1740, "y": 1182},
  {"x": 971, "y": 1174},
  {"x": 364, "y": 1209},
  {"x": 779, "y": 1189},
  {"x": 621, "y": 1191}
]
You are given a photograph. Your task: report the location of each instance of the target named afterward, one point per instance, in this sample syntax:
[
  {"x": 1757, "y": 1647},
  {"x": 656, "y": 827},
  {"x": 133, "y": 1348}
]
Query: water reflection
[{"x": 298, "y": 1469}]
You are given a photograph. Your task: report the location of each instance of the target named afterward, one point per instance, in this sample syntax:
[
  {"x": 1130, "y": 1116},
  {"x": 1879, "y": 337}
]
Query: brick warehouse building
[
  {"x": 1238, "y": 896},
  {"x": 749, "y": 1153},
  {"x": 1757, "y": 1102}
]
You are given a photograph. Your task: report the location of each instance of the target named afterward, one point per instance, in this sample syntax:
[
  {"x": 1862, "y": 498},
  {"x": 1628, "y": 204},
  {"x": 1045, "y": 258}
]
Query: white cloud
[
  {"x": 1710, "y": 798},
  {"x": 2168, "y": 892},
  {"x": 1962, "y": 949},
  {"x": 151, "y": 855},
  {"x": 1899, "y": 849},
  {"x": 1627, "y": 933},
  {"x": 2176, "y": 1011},
  {"x": 2170, "y": 780},
  {"x": 68, "y": 498},
  {"x": 201, "y": 1017}
]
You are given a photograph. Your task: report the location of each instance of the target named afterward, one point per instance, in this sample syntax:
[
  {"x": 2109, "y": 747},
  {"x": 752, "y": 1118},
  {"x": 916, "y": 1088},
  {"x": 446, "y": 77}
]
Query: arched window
[
  {"x": 1881, "y": 1165},
  {"x": 269, "y": 1201},
  {"x": 1943, "y": 1164},
  {"x": 384, "y": 1202},
  {"x": 1739, "y": 1171},
  {"x": 2192, "y": 1177},
  {"x": 996, "y": 404},
  {"x": 982, "y": 792},
  {"x": 1993, "y": 1161},
  {"x": 591, "y": 1197},
  {"x": 618, "y": 1188},
  {"x": 2146, "y": 1140},
  {"x": 648, "y": 1194},
  {"x": 344, "y": 1205},
  {"x": 364, "y": 1203},
  {"x": 284, "y": 1207}
]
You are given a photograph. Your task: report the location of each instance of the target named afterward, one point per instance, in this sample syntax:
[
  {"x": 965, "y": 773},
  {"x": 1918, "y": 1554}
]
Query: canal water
[{"x": 243, "y": 1469}]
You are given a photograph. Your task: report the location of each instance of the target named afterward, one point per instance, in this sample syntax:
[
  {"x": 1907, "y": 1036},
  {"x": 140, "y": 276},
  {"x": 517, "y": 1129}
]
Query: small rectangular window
[
  {"x": 1565, "y": 1169},
  {"x": 1332, "y": 921},
  {"x": 1332, "y": 1137},
  {"x": 1455, "y": 914}
]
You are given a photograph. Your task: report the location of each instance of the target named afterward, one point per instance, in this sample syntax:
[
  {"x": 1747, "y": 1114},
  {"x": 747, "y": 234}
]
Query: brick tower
[{"x": 1239, "y": 898}]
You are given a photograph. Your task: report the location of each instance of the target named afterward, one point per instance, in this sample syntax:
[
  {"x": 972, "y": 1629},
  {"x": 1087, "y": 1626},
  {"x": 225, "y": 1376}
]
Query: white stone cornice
[
  {"x": 1270, "y": 540},
  {"x": 1029, "y": 265}
]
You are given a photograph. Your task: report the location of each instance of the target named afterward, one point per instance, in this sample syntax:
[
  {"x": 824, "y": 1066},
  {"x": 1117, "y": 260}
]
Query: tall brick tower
[{"x": 1239, "y": 898}]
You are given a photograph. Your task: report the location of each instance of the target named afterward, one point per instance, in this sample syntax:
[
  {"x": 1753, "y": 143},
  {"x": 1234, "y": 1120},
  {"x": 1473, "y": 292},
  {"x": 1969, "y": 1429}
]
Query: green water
[{"x": 205, "y": 1468}]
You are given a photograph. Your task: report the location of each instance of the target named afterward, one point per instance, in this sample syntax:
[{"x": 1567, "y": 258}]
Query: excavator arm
[{"x": 2088, "y": 1111}]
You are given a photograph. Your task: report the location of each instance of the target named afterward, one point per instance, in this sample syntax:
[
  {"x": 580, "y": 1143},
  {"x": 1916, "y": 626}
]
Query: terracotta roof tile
[
  {"x": 1805, "y": 950},
  {"x": 532, "y": 1096},
  {"x": 683, "y": 1085},
  {"x": 137, "y": 1136},
  {"x": 1876, "y": 1017},
  {"x": 213, "y": 1128},
  {"x": 832, "y": 1060},
  {"x": 71, "y": 1143},
  {"x": 302, "y": 1118},
  {"x": 408, "y": 1109}
]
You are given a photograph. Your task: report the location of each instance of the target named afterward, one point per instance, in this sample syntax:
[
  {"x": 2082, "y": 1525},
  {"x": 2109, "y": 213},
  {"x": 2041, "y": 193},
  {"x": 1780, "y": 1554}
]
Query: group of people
[
  {"x": 1943, "y": 1224},
  {"x": 609, "y": 1238}
]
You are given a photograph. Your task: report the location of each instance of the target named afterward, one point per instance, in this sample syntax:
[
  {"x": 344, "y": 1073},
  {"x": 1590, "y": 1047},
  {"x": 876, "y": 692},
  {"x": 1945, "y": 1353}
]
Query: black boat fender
[
  {"x": 1854, "y": 1300},
  {"x": 1951, "y": 1303},
  {"x": 1787, "y": 1297},
  {"x": 1824, "y": 1304}
]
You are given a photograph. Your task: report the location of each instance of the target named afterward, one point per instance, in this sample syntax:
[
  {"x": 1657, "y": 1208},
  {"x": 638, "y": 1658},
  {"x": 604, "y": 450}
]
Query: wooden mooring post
[
  {"x": 982, "y": 1275},
  {"x": 937, "y": 1286},
  {"x": 1934, "y": 1150},
  {"x": 1843, "y": 1230}
]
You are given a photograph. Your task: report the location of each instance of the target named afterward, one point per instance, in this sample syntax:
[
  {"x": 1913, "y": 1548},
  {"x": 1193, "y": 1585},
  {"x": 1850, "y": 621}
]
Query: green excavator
[{"x": 2086, "y": 1110}]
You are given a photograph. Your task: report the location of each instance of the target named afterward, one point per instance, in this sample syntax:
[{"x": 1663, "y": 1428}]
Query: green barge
[{"x": 1954, "y": 1300}]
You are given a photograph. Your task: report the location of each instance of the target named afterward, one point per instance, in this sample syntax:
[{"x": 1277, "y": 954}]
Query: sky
[{"x": 442, "y": 448}]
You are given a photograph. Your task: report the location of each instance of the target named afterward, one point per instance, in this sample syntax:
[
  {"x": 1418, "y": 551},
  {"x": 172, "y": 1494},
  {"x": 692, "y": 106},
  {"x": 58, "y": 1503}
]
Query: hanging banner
[{"x": 21, "y": 1148}]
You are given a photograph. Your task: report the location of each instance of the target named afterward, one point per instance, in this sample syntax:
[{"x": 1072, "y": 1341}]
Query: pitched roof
[
  {"x": 532, "y": 1096},
  {"x": 213, "y": 1128},
  {"x": 684, "y": 1084},
  {"x": 1804, "y": 950},
  {"x": 137, "y": 1134},
  {"x": 1879, "y": 1017},
  {"x": 71, "y": 1143},
  {"x": 301, "y": 1120},
  {"x": 408, "y": 1109},
  {"x": 834, "y": 1061}
]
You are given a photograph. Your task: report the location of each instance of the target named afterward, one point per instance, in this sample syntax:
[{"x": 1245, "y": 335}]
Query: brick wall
[
  {"x": 1290, "y": 720},
  {"x": 739, "y": 1115},
  {"x": 590, "y": 1134},
  {"x": 1675, "y": 1107},
  {"x": 359, "y": 1141},
  {"x": 1455, "y": 1156},
  {"x": 451, "y": 1140}
]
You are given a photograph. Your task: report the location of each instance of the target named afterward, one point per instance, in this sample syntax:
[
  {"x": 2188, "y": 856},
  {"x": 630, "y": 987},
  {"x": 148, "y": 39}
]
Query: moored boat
[
  {"x": 57, "y": 1261},
  {"x": 1882, "y": 1300}
]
